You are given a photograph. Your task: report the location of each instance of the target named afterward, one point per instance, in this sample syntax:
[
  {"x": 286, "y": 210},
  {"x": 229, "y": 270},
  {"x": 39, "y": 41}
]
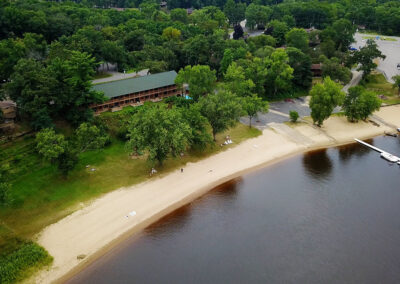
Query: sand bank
[{"x": 91, "y": 230}]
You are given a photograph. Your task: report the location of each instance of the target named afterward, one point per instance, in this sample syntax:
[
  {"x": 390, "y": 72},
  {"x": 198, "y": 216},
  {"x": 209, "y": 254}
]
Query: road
[
  {"x": 246, "y": 30},
  {"x": 389, "y": 48}
]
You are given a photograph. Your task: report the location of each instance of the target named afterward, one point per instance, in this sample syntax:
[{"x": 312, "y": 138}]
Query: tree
[
  {"x": 49, "y": 144},
  {"x": 279, "y": 74},
  {"x": 196, "y": 50},
  {"x": 333, "y": 69},
  {"x": 200, "y": 78},
  {"x": 171, "y": 33},
  {"x": 301, "y": 64},
  {"x": 112, "y": 52},
  {"x": 237, "y": 32},
  {"x": 328, "y": 48},
  {"x": 199, "y": 127},
  {"x": 235, "y": 12},
  {"x": 294, "y": 115},
  {"x": 5, "y": 186},
  {"x": 278, "y": 31},
  {"x": 55, "y": 149},
  {"x": 235, "y": 81},
  {"x": 31, "y": 88},
  {"x": 396, "y": 83},
  {"x": 67, "y": 161},
  {"x": 324, "y": 98},
  {"x": 134, "y": 40},
  {"x": 230, "y": 55},
  {"x": 222, "y": 110},
  {"x": 297, "y": 38},
  {"x": 159, "y": 131},
  {"x": 62, "y": 89},
  {"x": 344, "y": 34},
  {"x": 365, "y": 57},
  {"x": 180, "y": 15},
  {"x": 257, "y": 15},
  {"x": 360, "y": 103},
  {"x": 254, "y": 104},
  {"x": 90, "y": 137},
  {"x": 260, "y": 41}
]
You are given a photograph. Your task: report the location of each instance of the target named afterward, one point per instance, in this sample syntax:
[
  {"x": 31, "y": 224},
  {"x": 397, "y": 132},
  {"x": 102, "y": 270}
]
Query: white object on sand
[{"x": 132, "y": 213}]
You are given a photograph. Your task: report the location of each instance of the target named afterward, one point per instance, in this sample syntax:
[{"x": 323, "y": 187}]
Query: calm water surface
[{"x": 330, "y": 216}]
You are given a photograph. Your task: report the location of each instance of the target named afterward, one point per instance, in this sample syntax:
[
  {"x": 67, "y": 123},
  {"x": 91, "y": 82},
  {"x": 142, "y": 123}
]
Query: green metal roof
[{"x": 132, "y": 85}]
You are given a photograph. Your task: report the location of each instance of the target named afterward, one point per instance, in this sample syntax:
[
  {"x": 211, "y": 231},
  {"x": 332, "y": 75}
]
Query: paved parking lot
[
  {"x": 389, "y": 48},
  {"x": 279, "y": 112}
]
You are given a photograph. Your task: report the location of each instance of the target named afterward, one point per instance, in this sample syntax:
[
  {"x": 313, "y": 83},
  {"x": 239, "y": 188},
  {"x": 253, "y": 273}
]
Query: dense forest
[
  {"x": 50, "y": 39},
  {"x": 50, "y": 51}
]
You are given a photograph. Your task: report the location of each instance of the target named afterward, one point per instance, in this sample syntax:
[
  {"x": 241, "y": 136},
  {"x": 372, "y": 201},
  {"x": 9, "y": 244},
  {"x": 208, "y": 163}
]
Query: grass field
[
  {"x": 42, "y": 196},
  {"x": 377, "y": 83},
  {"x": 380, "y": 37},
  {"x": 101, "y": 75}
]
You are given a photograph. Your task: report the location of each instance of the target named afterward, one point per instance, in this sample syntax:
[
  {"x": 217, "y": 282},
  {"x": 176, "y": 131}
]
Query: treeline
[
  {"x": 382, "y": 16},
  {"x": 50, "y": 78}
]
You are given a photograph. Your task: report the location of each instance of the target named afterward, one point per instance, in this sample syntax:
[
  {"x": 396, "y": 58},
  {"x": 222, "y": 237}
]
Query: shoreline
[{"x": 103, "y": 224}]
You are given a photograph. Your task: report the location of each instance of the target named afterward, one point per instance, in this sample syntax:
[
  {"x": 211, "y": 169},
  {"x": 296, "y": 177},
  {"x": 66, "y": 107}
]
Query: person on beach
[{"x": 181, "y": 170}]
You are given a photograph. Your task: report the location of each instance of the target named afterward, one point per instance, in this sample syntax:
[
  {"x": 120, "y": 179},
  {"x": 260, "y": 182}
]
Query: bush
[
  {"x": 294, "y": 115},
  {"x": 17, "y": 264}
]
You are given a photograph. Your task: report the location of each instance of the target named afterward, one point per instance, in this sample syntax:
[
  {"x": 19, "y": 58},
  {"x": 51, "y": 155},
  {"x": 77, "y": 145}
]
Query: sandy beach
[{"x": 92, "y": 230}]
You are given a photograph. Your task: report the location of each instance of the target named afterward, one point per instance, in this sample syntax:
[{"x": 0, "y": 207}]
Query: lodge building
[{"x": 136, "y": 91}]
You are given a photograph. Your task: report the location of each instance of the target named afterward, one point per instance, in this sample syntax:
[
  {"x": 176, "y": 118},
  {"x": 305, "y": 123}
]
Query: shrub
[
  {"x": 17, "y": 264},
  {"x": 294, "y": 115}
]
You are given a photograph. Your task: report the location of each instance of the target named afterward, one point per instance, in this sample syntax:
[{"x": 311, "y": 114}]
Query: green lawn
[
  {"x": 380, "y": 37},
  {"x": 377, "y": 83},
  {"x": 41, "y": 196},
  {"x": 101, "y": 75}
]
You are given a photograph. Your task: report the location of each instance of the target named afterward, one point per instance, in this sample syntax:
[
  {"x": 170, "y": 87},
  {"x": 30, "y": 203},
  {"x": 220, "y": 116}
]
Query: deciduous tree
[
  {"x": 297, "y": 38},
  {"x": 158, "y": 131},
  {"x": 235, "y": 81},
  {"x": 222, "y": 110},
  {"x": 360, "y": 103},
  {"x": 49, "y": 144},
  {"x": 365, "y": 57},
  {"x": 396, "y": 83},
  {"x": 324, "y": 98},
  {"x": 89, "y": 137},
  {"x": 253, "y": 105},
  {"x": 200, "y": 78}
]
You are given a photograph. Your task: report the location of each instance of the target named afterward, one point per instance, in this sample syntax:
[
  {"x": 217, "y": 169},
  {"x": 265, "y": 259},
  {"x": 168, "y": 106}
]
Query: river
[{"x": 328, "y": 216}]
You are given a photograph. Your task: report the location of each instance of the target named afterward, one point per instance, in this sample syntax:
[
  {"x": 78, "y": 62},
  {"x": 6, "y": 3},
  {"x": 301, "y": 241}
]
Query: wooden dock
[{"x": 385, "y": 155}]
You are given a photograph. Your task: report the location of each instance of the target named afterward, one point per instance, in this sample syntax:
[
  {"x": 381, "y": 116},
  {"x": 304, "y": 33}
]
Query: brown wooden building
[
  {"x": 136, "y": 91},
  {"x": 9, "y": 114},
  {"x": 316, "y": 69}
]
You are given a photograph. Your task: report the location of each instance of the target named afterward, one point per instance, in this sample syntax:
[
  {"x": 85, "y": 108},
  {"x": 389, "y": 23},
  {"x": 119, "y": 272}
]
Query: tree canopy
[
  {"x": 324, "y": 98},
  {"x": 158, "y": 132},
  {"x": 365, "y": 57},
  {"x": 221, "y": 109},
  {"x": 360, "y": 103},
  {"x": 200, "y": 78}
]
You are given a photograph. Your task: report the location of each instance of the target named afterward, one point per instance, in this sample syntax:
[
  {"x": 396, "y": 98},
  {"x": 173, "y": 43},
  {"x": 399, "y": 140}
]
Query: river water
[{"x": 329, "y": 216}]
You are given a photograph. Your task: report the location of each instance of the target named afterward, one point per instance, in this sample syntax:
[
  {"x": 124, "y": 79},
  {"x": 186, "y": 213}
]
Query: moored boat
[{"x": 389, "y": 157}]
